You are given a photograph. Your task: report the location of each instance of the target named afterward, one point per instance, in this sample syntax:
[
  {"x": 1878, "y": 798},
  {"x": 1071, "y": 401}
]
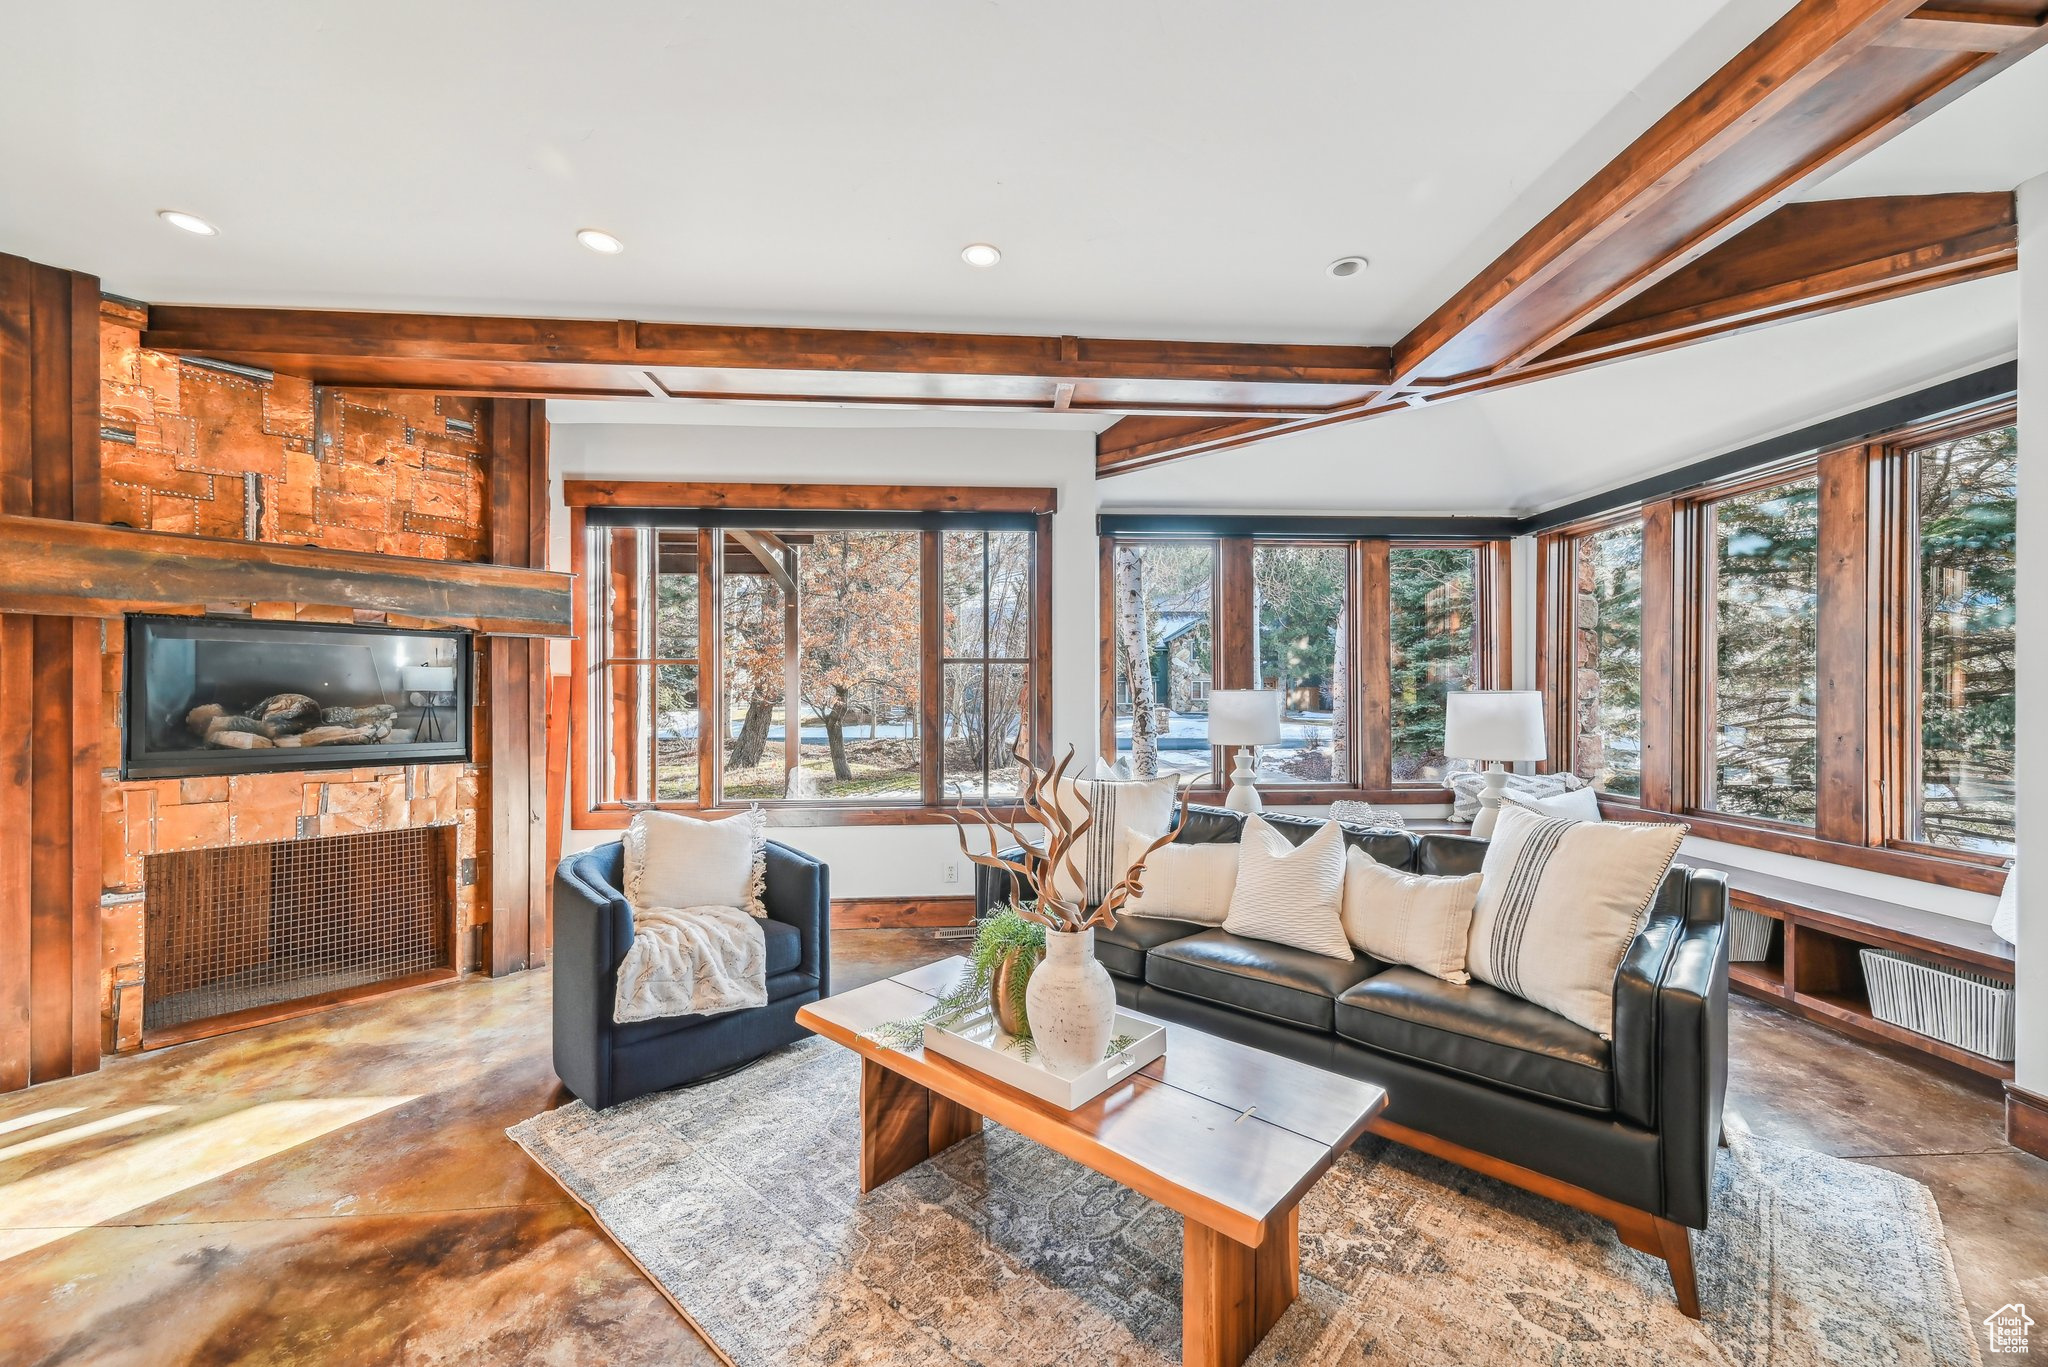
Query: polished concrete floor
[{"x": 339, "y": 1189}]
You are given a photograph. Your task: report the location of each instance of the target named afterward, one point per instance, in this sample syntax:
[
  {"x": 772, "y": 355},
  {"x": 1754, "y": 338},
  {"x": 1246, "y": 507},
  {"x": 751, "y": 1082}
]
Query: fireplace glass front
[{"x": 213, "y": 695}]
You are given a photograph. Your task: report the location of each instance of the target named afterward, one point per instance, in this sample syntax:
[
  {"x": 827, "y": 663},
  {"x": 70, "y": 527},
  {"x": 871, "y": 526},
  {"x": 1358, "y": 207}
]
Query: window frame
[
  {"x": 1868, "y": 675},
  {"x": 1368, "y": 609},
  {"x": 1556, "y": 624},
  {"x": 589, "y": 665}
]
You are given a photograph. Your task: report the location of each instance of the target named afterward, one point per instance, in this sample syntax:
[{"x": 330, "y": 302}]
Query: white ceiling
[
  {"x": 1149, "y": 167},
  {"x": 1526, "y": 449},
  {"x": 1992, "y": 138}
]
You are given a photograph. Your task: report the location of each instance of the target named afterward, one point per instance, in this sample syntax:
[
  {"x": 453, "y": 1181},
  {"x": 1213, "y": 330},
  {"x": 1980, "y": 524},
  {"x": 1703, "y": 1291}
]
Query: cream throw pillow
[
  {"x": 1182, "y": 882},
  {"x": 1144, "y": 805},
  {"x": 678, "y": 861},
  {"x": 1291, "y": 895},
  {"x": 1409, "y": 918},
  {"x": 1559, "y": 903}
]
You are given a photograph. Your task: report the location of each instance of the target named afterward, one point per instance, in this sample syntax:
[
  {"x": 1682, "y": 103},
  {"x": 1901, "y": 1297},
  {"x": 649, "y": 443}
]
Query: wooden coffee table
[{"x": 1229, "y": 1136}]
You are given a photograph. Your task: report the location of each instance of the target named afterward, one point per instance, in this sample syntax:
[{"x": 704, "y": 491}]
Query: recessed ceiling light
[
  {"x": 1346, "y": 266},
  {"x": 980, "y": 254},
  {"x": 191, "y": 223},
  {"x": 600, "y": 241}
]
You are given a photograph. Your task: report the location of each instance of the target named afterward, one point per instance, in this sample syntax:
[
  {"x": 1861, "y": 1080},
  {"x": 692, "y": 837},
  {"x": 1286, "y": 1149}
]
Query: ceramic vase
[
  {"x": 1011, "y": 1014},
  {"x": 1071, "y": 1002}
]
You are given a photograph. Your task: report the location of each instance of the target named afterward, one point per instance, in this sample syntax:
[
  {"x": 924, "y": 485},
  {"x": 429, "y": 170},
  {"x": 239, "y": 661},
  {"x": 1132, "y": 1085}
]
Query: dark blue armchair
[{"x": 604, "y": 1063}]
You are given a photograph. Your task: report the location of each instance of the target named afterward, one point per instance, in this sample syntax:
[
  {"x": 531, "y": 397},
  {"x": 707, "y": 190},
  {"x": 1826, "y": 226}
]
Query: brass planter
[{"x": 1009, "y": 1015}]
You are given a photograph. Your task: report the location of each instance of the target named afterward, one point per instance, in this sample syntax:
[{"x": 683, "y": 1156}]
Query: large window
[
  {"x": 1606, "y": 669},
  {"x": 1301, "y": 606},
  {"x": 1815, "y": 659},
  {"x": 1363, "y": 639},
  {"x": 806, "y": 661},
  {"x": 1435, "y": 631},
  {"x": 823, "y": 635},
  {"x": 987, "y": 597},
  {"x": 1163, "y": 625},
  {"x": 1966, "y": 502},
  {"x": 1763, "y": 622}
]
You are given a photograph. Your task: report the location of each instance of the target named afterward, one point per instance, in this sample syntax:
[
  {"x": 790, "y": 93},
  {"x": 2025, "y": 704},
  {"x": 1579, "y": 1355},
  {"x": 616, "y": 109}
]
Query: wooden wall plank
[
  {"x": 1375, "y": 673},
  {"x": 1846, "y": 701}
]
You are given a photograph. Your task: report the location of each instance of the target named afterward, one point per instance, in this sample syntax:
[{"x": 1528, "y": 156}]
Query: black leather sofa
[
  {"x": 604, "y": 1063},
  {"x": 1627, "y": 1129}
]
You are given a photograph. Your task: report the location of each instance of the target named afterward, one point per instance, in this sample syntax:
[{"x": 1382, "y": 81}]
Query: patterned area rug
[{"x": 738, "y": 1198}]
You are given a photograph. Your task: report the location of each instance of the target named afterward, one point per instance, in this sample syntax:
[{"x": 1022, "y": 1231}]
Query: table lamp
[
  {"x": 1244, "y": 718},
  {"x": 1497, "y": 728}
]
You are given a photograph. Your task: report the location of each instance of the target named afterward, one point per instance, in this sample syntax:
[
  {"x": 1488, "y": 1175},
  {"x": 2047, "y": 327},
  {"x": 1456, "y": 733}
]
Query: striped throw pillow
[
  {"x": 1144, "y": 805},
  {"x": 1559, "y": 903},
  {"x": 1290, "y": 894}
]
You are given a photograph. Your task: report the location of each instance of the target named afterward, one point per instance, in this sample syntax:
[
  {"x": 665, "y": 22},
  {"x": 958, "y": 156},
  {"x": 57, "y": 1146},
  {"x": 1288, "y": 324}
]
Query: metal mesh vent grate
[{"x": 250, "y": 926}]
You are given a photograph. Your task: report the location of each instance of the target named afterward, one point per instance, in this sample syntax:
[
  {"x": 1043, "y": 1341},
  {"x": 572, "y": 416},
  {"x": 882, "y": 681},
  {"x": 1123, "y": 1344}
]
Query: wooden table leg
[
  {"x": 1231, "y": 1295},
  {"x": 903, "y": 1123}
]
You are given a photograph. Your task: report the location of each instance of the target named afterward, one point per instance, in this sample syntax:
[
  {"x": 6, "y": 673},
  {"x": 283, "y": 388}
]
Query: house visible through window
[
  {"x": 1164, "y": 632},
  {"x": 1301, "y": 604}
]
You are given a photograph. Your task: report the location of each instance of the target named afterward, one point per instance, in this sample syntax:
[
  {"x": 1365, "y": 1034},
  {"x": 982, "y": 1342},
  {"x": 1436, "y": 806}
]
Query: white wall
[
  {"x": 875, "y": 861},
  {"x": 2032, "y": 749}
]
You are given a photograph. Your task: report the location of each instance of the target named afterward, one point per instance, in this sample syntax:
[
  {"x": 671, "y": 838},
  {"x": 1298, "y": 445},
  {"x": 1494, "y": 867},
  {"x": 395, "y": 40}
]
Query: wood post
[
  {"x": 49, "y": 687},
  {"x": 516, "y": 678}
]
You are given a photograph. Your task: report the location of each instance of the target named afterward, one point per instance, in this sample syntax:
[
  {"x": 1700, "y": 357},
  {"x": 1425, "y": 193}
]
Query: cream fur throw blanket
[{"x": 691, "y": 961}]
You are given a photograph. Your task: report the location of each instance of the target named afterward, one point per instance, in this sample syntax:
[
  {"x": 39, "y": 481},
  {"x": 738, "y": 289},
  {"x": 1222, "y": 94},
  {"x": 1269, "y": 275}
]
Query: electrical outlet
[{"x": 949, "y": 872}]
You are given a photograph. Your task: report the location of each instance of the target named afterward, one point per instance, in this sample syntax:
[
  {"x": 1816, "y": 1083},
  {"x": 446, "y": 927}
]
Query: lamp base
[
  {"x": 1243, "y": 796},
  {"x": 1489, "y": 803}
]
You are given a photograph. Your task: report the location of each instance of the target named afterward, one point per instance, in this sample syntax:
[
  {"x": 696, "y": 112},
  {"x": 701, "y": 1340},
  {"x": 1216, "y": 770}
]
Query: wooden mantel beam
[
  {"x": 1824, "y": 85},
  {"x": 585, "y": 358}
]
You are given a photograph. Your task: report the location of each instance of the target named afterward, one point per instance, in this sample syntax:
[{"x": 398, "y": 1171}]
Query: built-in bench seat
[{"x": 1815, "y": 969}]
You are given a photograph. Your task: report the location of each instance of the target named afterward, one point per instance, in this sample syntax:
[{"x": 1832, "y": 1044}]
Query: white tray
[{"x": 979, "y": 1043}]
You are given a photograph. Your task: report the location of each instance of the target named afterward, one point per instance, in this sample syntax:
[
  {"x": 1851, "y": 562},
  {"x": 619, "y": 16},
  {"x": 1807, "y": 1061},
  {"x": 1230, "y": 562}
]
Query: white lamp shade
[
  {"x": 426, "y": 678},
  {"x": 1503, "y": 725},
  {"x": 1244, "y": 716}
]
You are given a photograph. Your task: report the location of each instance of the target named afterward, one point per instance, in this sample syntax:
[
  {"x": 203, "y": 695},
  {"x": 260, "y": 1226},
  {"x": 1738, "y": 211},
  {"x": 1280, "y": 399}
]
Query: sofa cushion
[
  {"x": 1258, "y": 977},
  {"x": 1478, "y": 1032},
  {"x": 785, "y": 946},
  {"x": 1121, "y": 948}
]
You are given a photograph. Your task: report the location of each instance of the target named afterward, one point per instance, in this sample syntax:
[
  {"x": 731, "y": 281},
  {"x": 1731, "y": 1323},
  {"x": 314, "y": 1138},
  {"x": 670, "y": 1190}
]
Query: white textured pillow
[
  {"x": 1409, "y": 918},
  {"x": 1580, "y": 804},
  {"x": 1291, "y": 895},
  {"x": 1144, "y": 805},
  {"x": 1559, "y": 902},
  {"x": 1182, "y": 882},
  {"x": 678, "y": 861}
]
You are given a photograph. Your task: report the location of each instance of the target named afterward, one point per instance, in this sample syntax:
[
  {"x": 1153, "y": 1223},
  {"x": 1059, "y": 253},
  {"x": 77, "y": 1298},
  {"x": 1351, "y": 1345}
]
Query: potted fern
[{"x": 1007, "y": 946}]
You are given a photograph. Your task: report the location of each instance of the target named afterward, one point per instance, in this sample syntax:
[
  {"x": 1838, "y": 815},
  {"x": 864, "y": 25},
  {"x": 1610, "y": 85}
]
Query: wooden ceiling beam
[
  {"x": 1827, "y": 83},
  {"x": 599, "y": 358},
  {"x": 1806, "y": 259}
]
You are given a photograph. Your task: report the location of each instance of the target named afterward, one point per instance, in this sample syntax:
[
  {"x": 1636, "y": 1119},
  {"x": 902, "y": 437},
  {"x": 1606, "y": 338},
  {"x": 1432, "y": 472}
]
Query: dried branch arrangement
[{"x": 1048, "y": 867}]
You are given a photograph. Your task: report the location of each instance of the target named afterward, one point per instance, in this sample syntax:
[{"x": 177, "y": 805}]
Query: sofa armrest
[
  {"x": 593, "y": 929},
  {"x": 992, "y": 887},
  {"x": 1692, "y": 1027},
  {"x": 798, "y": 893}
]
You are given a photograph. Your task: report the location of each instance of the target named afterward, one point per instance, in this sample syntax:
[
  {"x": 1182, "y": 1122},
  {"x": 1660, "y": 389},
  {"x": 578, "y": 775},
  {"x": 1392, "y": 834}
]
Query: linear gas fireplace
[{"x": 217, "y": 695}]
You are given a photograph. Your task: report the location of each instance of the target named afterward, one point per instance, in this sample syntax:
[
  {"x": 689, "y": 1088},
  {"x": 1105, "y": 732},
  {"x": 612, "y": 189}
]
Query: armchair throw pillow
[{"x": 678, "y": 861}]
